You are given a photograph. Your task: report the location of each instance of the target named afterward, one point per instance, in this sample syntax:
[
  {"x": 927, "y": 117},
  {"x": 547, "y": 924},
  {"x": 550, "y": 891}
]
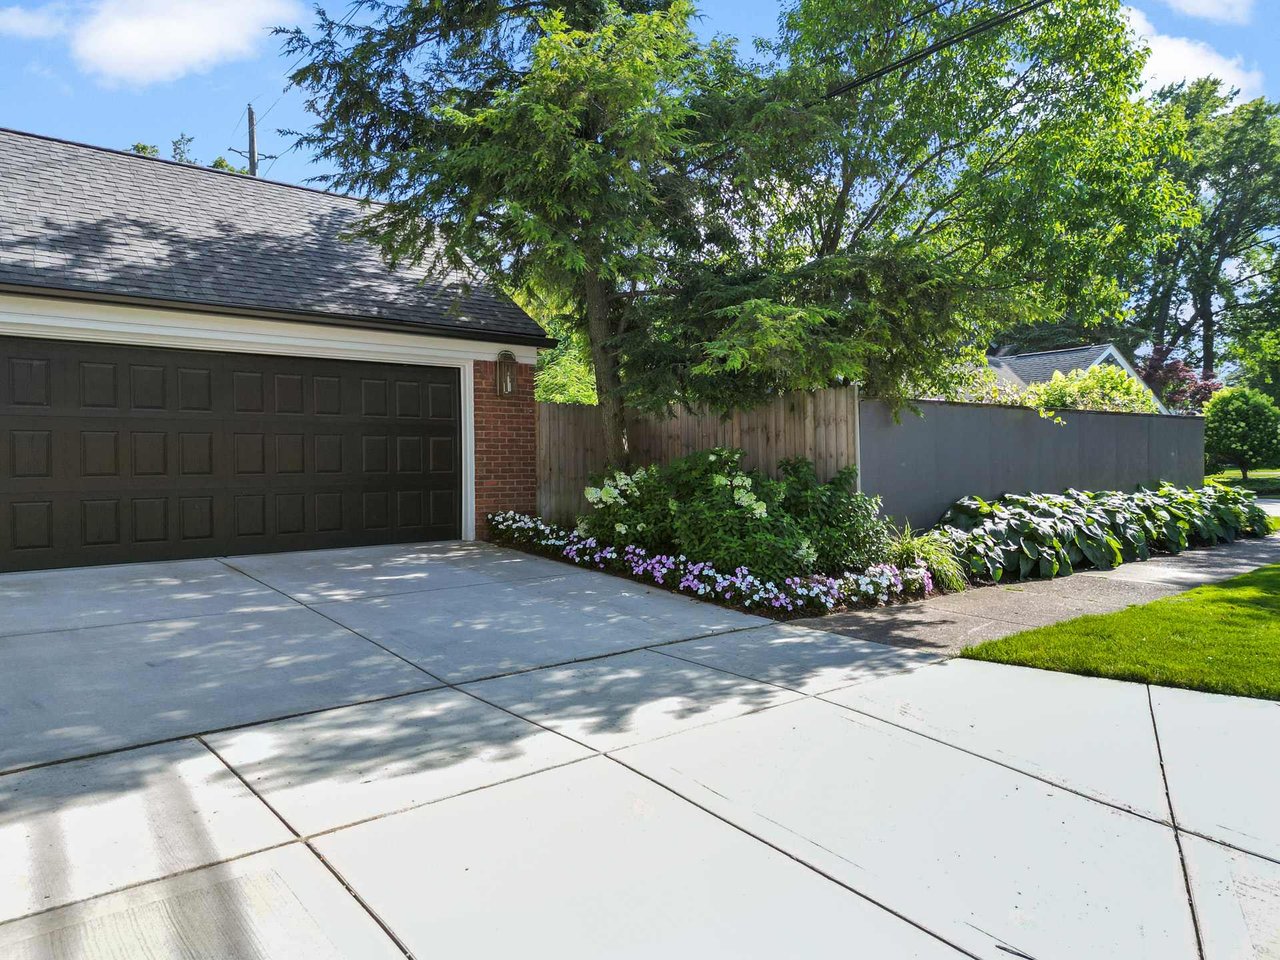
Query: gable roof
[
  {"x": 103, "y": 224},
  {"x": 1024, "y": 369},
  {"x": 1038, "y": 367}
]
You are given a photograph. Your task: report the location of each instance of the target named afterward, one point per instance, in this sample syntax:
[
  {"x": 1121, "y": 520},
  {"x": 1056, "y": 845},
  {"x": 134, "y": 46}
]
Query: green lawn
[
  {"x": 1265, "y": 483},
  {"x": 1271, "y": 474},
  {"x": 1223, "y": 638}
]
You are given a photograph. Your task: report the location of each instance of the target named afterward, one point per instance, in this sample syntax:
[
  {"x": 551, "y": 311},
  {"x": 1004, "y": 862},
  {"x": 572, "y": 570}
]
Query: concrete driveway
[{"x": 456, "y": 750}]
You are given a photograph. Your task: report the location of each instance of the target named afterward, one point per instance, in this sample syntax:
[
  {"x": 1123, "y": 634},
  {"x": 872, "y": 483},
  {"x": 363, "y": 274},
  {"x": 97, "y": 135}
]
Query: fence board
[{"x": 816, "y": 425}]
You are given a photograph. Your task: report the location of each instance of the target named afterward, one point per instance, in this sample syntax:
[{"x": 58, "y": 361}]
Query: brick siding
[{"x": 506, "y": 445}]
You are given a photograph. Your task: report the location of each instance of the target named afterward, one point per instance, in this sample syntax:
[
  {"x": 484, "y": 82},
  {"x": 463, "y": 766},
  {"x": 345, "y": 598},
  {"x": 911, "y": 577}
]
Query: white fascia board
[
  {"x": 1114, "y": 354},
  {"x": 57, "y": 319}
]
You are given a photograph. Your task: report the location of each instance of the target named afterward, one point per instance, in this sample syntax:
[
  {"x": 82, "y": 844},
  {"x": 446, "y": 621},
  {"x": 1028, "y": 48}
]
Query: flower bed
[{"x": 880, "y": 583}]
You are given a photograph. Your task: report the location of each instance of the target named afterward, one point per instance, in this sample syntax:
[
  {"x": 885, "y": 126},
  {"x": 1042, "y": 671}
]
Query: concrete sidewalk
[{"x": 951, "y": 622}]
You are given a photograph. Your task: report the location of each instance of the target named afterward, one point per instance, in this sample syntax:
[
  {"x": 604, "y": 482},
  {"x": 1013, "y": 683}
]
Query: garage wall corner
[{"x": 505, "y": 444}]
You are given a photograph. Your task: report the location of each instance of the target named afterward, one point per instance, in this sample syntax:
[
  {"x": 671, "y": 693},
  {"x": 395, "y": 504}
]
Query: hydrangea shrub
[{"x": 706, "y": 505}]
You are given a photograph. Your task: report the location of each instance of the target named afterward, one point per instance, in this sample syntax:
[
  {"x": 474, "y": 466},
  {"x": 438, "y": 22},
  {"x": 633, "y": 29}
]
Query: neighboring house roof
[
  {"x": 1038, "y": 367},
  {"x": 1023, "y": 369},
  {"x": 104, "y": 224}
]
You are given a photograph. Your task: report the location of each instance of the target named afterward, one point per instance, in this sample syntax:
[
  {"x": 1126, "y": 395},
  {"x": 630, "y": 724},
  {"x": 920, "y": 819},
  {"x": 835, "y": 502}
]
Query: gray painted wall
[{"x": 923, "y": 464}]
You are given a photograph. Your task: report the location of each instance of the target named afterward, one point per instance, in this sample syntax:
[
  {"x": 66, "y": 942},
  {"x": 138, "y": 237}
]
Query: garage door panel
[{"x": 112, "y": 454}]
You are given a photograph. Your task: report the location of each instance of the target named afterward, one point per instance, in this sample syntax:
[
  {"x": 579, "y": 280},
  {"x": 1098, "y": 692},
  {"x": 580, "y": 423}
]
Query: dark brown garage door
[{"x": 114, "y": 454}]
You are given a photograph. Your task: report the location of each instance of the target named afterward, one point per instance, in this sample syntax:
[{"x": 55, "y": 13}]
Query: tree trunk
[
  {"x": 1203, "y": 299},
  {"x": 608, "y": 381}
]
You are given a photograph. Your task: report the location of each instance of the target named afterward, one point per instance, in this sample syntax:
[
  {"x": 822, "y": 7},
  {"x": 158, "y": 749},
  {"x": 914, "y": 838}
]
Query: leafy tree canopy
[
  {"x": 718, "y": 228},
  {"x": 1211, "y": 297}
]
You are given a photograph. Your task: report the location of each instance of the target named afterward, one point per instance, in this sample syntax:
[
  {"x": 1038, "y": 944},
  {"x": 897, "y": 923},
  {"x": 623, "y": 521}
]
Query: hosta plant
[{"x": 1048, "y": 535}]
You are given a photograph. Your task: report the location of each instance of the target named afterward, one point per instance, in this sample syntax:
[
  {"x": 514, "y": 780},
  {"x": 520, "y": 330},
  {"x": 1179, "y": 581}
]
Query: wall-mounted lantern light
[{"x": 506, "y": 374}]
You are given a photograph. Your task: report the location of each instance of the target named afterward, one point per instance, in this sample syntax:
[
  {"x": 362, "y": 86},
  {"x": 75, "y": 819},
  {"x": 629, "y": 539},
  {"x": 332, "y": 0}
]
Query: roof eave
[{"x": 297, "y": 316}]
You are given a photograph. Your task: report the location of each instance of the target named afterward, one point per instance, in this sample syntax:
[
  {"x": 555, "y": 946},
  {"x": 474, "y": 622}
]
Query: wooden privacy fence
[{"x": 820, "y": 425}]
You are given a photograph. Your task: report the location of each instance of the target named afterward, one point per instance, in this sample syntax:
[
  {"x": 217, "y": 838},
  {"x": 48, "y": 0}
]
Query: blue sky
[{"x": 113, "y": 72}]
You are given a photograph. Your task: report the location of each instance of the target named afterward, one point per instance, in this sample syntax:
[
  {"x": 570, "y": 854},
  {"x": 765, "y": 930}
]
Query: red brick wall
[{"x": 506, "y": 445}]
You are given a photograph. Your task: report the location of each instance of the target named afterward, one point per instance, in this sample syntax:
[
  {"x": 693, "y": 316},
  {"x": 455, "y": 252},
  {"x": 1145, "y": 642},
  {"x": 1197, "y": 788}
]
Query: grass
[
  {"x": 1265, "y": 483},
  {"x": 1270, "y": 474},
  {"x": 1221, "y": 638}
]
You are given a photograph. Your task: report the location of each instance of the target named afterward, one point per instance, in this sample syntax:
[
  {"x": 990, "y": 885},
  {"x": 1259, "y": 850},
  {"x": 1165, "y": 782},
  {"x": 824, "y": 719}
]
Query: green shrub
[
  {"x": 1241, "y": 429},
  {"x": 708, "y": 508},
  {"x": 934, "y": 549},
  {"x": 1049, "y": 535},
  {"x": 844, "y": 526},
  {"x": 1103, "y": 387}
]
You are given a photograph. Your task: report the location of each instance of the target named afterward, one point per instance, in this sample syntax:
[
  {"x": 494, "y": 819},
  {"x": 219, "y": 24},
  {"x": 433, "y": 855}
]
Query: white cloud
[
  {"x": 139, "y": 42},
  {"x": 1221, "y": 11},
  {"x": 31, "y": 23},
  {"x": 1182, "y": 58}
]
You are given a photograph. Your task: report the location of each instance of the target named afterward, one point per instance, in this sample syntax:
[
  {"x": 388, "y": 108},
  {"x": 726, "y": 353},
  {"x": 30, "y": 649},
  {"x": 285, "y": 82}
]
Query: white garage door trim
[{"x": 56, "y": 319}]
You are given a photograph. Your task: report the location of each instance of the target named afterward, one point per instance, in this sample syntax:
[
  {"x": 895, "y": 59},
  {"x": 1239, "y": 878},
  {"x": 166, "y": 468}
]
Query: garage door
[{"x": 113, "y": 454}]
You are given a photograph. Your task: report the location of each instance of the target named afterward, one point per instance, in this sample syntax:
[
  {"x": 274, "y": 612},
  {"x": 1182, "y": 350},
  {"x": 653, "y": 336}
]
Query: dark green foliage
[
  {"x": 1050, "y": 535},
  {"x": 845, "y": 527},
  {"x": 864, "y": 317},
  {"x": 706, "y": 507},
  {"x": 1241, "y": 429},
  {"x": 716, "y": 228},
  {"x": 934, "y": 549}
]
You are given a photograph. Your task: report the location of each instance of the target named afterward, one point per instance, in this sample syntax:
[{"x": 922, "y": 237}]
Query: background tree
[
  {"x": 1252, "y": 324},
  {"x": 1233, "y": 168},
  {"x": 1242, "y": 430},
  {"x": 1214, "y": 287},
  {"x": 180, "y": 152},
  {"x": 1174, "y": 381},
  {"x": 717, "y": 229},
  {"x": 564, "y": 372},
  {"x": 1005, "y": 179}
]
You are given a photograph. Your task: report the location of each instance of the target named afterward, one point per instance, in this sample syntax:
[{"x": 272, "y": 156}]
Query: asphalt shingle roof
[
  {"x": 99, "y": 222},
  {"x": 1038, "y": 367}
]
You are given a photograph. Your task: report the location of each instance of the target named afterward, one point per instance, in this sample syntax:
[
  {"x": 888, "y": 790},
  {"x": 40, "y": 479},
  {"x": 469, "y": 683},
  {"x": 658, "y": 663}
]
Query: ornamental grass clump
[{"x": 931, "y": 549}]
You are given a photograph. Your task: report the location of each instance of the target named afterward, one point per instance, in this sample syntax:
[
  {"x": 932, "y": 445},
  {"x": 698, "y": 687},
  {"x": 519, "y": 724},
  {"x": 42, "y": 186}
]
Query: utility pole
[
  {"x": 252, "y": 154},
  {"x": 253, "y": 143}
]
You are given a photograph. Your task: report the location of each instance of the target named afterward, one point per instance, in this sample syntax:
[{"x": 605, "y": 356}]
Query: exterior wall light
[{"x": 505, "y": 374}]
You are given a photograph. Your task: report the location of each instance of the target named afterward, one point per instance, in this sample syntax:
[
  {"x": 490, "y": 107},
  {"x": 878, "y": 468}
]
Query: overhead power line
[{"x": 915, "y": 57}]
